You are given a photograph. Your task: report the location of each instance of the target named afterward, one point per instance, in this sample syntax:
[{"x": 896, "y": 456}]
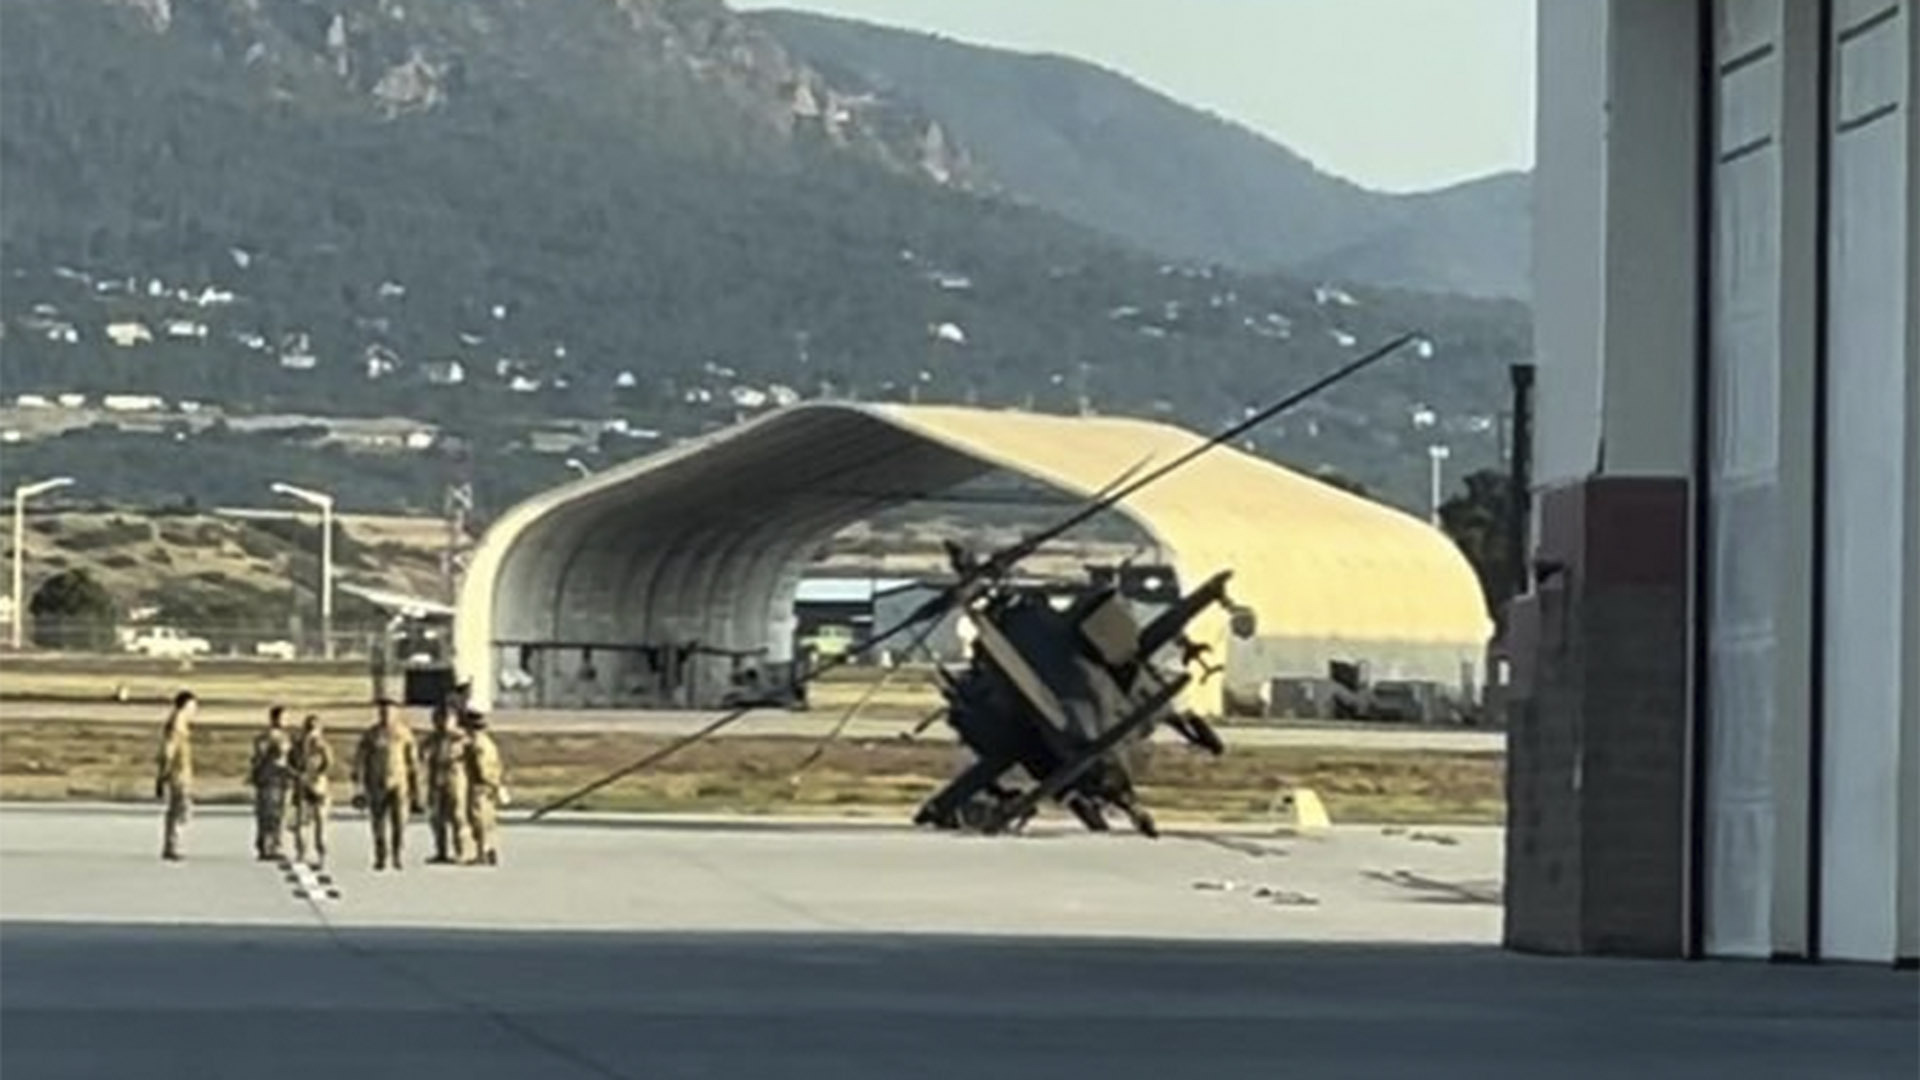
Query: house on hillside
[
  {"x": 444, "y": 372},
  {"x": 380, "y": 361},
  {"x": 128, "y": 333},
  {"x": 559, "y": 440}
]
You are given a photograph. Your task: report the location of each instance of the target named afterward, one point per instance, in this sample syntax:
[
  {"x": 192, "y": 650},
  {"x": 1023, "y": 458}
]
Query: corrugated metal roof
[
  {"x": 1311, "y": 559},
  {"x": 709, "y": 539}
]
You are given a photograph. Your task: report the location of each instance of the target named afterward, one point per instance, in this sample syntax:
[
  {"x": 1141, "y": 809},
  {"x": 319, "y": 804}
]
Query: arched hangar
[{"x": 582, "y": 596}]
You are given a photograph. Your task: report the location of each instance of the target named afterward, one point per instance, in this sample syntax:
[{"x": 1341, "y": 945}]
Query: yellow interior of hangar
[{"x": 708, "y": 540}]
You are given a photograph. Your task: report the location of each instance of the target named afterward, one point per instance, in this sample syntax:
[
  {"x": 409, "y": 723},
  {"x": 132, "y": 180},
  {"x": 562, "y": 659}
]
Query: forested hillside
[{"x": 488, "y": 215}]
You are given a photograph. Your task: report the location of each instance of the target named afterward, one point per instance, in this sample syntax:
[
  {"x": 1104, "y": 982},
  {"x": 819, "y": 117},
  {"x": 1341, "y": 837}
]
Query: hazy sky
[{"x": 1394, "y": 94}]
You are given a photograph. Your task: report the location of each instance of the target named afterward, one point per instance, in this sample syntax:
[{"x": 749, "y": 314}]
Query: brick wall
[{"x": 1598, "y": 714}]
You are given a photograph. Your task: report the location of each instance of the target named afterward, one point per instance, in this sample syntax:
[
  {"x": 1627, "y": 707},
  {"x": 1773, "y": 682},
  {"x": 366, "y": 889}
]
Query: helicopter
[
  {"x": 1065, "y": 695},
  {"x": 1069, "y": 697}
]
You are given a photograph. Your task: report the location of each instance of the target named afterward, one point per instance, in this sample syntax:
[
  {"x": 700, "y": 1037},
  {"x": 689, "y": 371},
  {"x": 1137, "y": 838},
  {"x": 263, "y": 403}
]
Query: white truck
[{"x": 166, "y": 641}]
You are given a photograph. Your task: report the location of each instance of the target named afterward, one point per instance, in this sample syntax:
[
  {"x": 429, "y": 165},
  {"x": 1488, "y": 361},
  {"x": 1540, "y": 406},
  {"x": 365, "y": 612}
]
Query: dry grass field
[
  {"x": 240, "y": 687},
  {"x": 46, "y": 759},
  {"x": 62, "y": 736}
]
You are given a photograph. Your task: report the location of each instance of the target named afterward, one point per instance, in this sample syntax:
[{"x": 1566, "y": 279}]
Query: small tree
[
  {"x": 1477, "y": 520},
  {"x": 71, "y": 610},
  {"x": 1335, "y": 478}
]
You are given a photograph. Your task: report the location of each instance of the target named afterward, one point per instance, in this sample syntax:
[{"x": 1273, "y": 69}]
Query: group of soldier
[{"x": 289, "y": 773}]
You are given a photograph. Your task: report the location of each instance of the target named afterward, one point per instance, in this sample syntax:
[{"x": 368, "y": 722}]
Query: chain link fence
[{"x": 250, "y": 639}]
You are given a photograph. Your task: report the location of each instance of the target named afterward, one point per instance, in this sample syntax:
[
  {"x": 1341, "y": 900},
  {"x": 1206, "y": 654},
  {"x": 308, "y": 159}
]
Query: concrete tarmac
[{"x": 617, "y": 949}]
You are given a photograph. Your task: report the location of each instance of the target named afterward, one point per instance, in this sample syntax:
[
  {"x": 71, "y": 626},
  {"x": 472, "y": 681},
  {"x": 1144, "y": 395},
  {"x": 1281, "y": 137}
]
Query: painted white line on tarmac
[{"x": 310, "y": 884}]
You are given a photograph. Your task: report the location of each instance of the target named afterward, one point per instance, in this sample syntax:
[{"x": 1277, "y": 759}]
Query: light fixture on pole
[
  {"x": 1436, "y": 454},
  {"x": 325, "y": 503},
  {"x": 20, "y": 496}
]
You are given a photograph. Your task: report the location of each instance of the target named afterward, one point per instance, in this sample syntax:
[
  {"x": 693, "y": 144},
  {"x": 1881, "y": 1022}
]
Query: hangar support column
[
  {"x": 1753, "y": 162},
  {"x": 1597, "y": 785},
  {"x": 1908, "y": 936}
]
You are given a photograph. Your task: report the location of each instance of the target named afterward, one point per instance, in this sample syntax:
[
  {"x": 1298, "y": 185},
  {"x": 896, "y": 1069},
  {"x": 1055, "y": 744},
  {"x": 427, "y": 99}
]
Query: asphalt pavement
[{"x": 619, "y": 948}]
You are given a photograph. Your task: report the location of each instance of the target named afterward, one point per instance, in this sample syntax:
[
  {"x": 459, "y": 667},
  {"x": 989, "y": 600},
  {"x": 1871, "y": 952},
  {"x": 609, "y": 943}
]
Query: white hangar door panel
[
  {"x": 1869, "y": 292},
  {"x": 1743, "y": 490}
]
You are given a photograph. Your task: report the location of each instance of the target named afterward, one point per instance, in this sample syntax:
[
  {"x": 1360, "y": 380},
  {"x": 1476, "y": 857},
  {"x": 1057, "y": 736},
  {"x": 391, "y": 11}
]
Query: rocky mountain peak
[{"x": 400, "y": 57}]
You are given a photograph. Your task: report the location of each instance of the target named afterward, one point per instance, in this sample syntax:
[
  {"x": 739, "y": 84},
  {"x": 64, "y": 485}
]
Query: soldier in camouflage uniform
[
  {"x": 173, "y": 772},
  {"x": 445, "y": 751},
  {"x": 310, "y": 760},
  {"x": 386, "y": 769},
  {"x": 486, "y": 790},
  {"x": 271, "y": 777}
]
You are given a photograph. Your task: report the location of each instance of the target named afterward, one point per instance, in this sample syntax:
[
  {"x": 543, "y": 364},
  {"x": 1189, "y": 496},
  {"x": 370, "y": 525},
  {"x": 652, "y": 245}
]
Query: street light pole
[
  {"x": 1436, "y": 453},
  {"x": 325, "y": 503},
  {"x": 20, "y": 496}
]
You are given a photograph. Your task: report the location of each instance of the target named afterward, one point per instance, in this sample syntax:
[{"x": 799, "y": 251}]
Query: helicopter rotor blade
[
  {"x": 972, "y": 578},
  {"x": 873, "y": 688},
  {"x": 1028, "y": 544},
  {"x": 936, "y": 606},
  {"x": 924, "y": 723},
  {"x": 655, "y": 757},
  {"x": 713, "y": 727}
]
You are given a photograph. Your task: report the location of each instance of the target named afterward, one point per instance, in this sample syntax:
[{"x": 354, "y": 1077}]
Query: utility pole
[
  {"x": 325, "y": 503},
  {"x": 1436, "y": 454},
  {"x": 457, "y": 509},
  {"x": 20, "y": 496}
]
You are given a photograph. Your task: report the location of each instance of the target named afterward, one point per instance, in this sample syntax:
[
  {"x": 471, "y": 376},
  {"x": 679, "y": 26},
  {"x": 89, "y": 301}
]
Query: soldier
[
  {"x": 173, "y": 774},
  {"x": 386, "y": 769},
  {"x": 486, "y": 792},
  {"x": 310, "y": 760},
  {"x": 445, "y": 751},
  {"x": 270, "y": 774}
]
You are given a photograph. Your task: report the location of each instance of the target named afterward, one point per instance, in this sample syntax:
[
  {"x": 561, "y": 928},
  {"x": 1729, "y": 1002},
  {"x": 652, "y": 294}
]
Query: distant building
[
  {"x": 127, "y": 334},
  {"x": 380, "y": 361},
  {"x": 559, "y": 440}
]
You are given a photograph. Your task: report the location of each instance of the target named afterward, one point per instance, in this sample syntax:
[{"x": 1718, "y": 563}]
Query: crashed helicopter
[{"x": 1058, "y": 701}]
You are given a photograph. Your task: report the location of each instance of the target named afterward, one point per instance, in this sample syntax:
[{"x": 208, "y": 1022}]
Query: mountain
[
  {"x": 583, "y": 227},
  {"x": 1105, "y": 151}
]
